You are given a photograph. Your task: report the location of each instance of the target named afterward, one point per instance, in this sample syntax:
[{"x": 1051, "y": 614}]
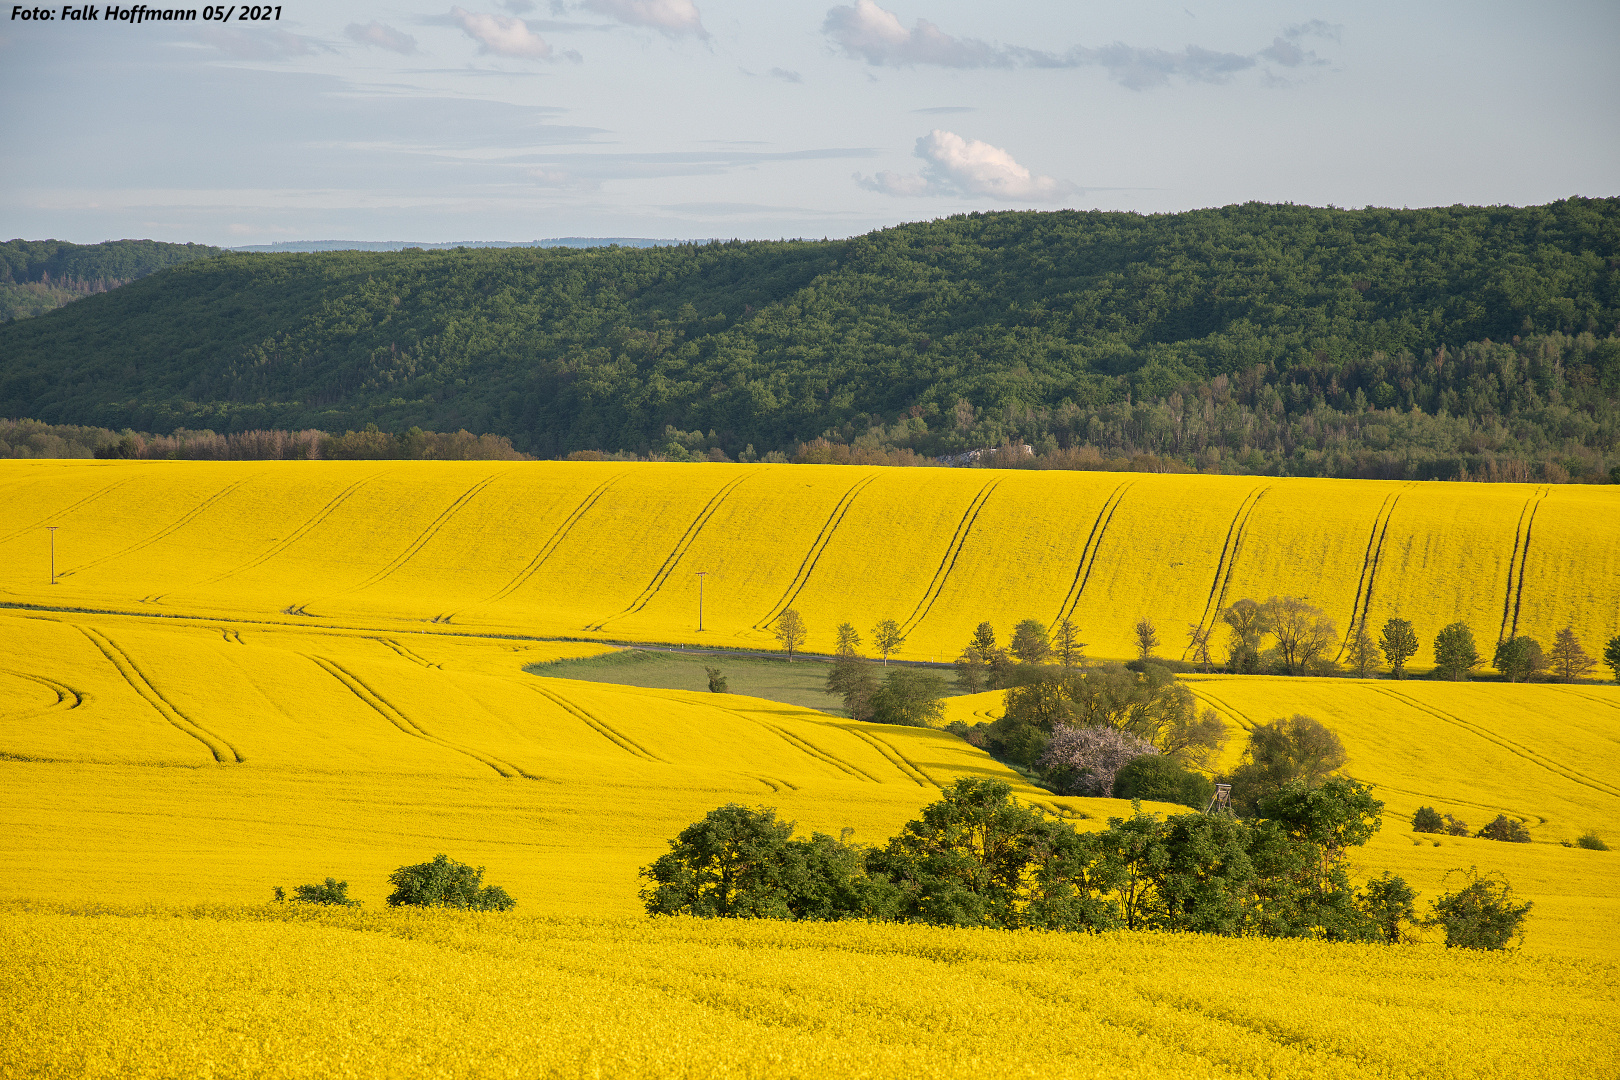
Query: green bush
[
  {"x": 1507, "y": 829},
  {"x": 1483, "y": 914},
  {"x": 1161, "y": 778},
  {"x": 445, "y": 883},
  {"x": 332, "y": 892},
  {"x": 1428, "y": 819},
  {"x": 1591, "y": 841}
]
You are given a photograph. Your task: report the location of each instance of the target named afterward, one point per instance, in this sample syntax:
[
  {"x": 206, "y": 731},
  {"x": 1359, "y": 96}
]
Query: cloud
[
  {"x": 868, "y": 32},
  {"x": 967, "y": 167},
  {"x": 785, "y": 75},
  {"x": 673, "y": 17},
  {"x": 502, "y": 35},
  {"x": 873, "y": 34},
  {"x": 940, "y": 110},
  {"x": 260, "y": 44},
  {"x": 562, "y": 179},
  {"x": 382, "y": 36}
]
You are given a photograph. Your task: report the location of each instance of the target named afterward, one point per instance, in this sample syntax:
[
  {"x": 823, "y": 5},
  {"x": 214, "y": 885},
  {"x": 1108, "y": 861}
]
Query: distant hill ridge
[
  {"x": 1261, "y": 338},
  {"x": 401, "y": 245}
]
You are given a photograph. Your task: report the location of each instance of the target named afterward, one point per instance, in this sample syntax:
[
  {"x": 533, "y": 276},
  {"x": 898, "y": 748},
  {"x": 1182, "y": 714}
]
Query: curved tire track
[
  {"x": 427, "y": 534},
  {"x": 1521, "y": 553},
  {"x": 817, "y": 546},
  {"x": 947, "y": 562},
  {"x": 1369, "y": 569},
  {"x": 808, "y": 748},
  {"x": 70, "y": 508},
  {"x": 1088, "y": 554},
  {"x": 522, "y": 576},
  {"x": 218, "y": 747},
  {"x": 168, "y": 530},
  {"x": 600, "y": 726},
  {"x": 1230, "y": 550}
]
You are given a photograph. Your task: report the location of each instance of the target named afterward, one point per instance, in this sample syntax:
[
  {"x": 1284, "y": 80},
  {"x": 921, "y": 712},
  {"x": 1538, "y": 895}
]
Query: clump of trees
[
  {"x": 1303, "y": 638},
  {"x": 332, "y": 893},
  {"x": 440, "y": 883},
  {"x": 979, "y": 858},
  {"x": 908, "y": 696}
]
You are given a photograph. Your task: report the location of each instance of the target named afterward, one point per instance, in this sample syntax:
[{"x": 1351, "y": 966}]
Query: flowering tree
[{"x": 1084, "y": 760}]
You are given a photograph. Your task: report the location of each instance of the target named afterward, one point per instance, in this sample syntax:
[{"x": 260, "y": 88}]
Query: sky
[{"x": 715, "y": 119}]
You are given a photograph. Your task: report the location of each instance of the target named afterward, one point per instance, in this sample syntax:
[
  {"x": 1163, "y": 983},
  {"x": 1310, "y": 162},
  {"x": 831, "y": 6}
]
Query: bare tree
[
  {"x": 1569, "y": 660},
  {"x": 1198, "y": 637},
  {"x": 1067, "y": 645},
  {"x": 1363, "y": 651},
  {"x": 887, "y": 638},
  {"x": 1147, "y": 638},
  {"x": 790, "y": 631},
  {"x": 1303, "y": 632}
]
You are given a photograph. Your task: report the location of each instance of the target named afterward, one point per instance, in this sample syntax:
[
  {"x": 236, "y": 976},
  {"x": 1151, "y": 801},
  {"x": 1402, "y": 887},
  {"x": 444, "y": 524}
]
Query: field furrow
[
  {"x": 947, "y": 563},
  {"x": 813, "y": 555},
  {"x": 221, "y": 750},
  {"x": 596, "y": 724}
]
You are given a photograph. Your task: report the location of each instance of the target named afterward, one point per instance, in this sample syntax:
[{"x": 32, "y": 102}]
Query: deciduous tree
[
  {"x": 887, "y": 638},
  {"x": 446, "y": 883},
  {"x": 1304, "y": 633},
  {"x": 1249, "y": 624},
  {"x": 910, "y": 697},
  {"x": 1454, "y": 652},
  {"x": 1362, "y": 651},
  {"x": 1569, "y": 660},
  {"x": 1066, "y": 644},
  {"x": 848, "y": 639},
  {"x": 1030, "y": 643},
  {"x": 1284, "y": 750},
  {"x": 1520, "y": 659},
  {"x": 1398, "y": 643},
  {"x": 790, "y": 631},
  {"x": 1147, "y": 638},
  {"x": 1611, "y": 653}
]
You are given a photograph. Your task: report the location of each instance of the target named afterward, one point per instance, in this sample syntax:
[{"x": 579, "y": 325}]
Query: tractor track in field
[
  {"x": 1446, "y": 800},
  {"x": 1583, "y": 697},
  {"x": 1243, "y": 719},
  {"x": 168, "y": 530},
  {"x": 817, "y": 546},
  {"x": 289, "y": 540},
  {"x": 1362, "y": 605},
  {"x": 682, "y": 546},
  {"x": 1230, "y": 550},
  {"x": 523, "y": 576},
  {"x": 947, "y": 562},
  {"x": 67, "y": 698},
  {"x": 402, "y": 651},
  {"x": 775, "y": 783},
  {"x": 1516, "y": 563},
  {"x": 70, "y": 508},
  {"x": 231, "y": 637},
  {"x": 1518, "y": 749},
  {"x": 142, "y": 685},
  {"x": 1088, "y": 554},
  {"x": 395, "y": 716},
  {"x": 908, "y": 768},
  {"x": 808, "y": 748},
  {"x": 427, "y": 534},
  {"x": 600, "y": 726}
]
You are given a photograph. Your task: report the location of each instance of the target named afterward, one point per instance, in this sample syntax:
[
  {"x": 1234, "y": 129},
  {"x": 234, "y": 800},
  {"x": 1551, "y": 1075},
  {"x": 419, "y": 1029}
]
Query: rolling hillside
[{"x": 612, "y": 551}]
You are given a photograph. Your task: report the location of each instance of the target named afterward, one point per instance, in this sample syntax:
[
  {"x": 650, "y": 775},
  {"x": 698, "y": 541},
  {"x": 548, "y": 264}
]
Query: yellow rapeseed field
[
  {"x": 261, "y": 992},
  {"x": 612, "y": 551},
  {"x": 261, "y": 674}
]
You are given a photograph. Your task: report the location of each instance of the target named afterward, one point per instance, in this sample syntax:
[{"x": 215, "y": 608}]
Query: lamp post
[
  {"x": 53, "y": 529},
  {"x": 701, "y": 574}
]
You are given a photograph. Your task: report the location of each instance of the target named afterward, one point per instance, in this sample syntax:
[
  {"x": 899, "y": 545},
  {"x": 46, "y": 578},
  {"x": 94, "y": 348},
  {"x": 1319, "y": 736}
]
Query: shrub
[
  {"x": 1591, "y": 841},
  {"x": 1427, "y": 819},
  {"x": 1508, "y": 829},
  {"x": 909, "y": 697},
  {"x": 717, "y": 681},
  {"x": 445, "y": 883},
  {"x": 1086, "y": 760},
  {"x": 331, "y": 892},
  {"x": 1387, "y": 902},
  {"x": 1455, "y": 827},
  {"x": 1295, "y": 748},
  {"x": 1483, "y": 914},
  {"x": 1161, "y": 778}
]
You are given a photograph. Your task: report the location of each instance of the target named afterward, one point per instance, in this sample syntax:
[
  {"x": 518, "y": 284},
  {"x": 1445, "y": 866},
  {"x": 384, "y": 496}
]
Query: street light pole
[
  {"x": 700, "y": 576},
  {"x": 53, "y": 529}
]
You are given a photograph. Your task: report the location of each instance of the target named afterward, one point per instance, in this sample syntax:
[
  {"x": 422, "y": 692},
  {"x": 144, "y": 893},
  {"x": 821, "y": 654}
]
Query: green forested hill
[
  {"x": 1036, "y": 326},
  {"x": 37, "y": 276}
]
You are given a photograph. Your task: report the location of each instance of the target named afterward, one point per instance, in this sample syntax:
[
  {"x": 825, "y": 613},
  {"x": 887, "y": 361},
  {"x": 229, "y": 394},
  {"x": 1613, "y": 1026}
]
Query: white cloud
[
  {"x": 873, "y": 34},
  {"x": 672, "y": 17},
  {"x": 502, "y": 35},
  {"x": 382, "y": 36},
  {"x": 958, "y": 166},
  {"x": 868, "y": 32}
]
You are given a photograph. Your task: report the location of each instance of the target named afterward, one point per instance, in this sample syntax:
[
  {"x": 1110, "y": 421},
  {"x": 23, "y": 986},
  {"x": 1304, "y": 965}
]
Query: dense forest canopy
[
  {"x": 37, "y": 276},
  {"x": 1287, "y": 338}
]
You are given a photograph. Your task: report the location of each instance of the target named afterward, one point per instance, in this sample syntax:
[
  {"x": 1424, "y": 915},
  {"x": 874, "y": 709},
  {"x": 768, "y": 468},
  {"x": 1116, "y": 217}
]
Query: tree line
[
  {"x": 976, "y": 857},
  {"x": 37, "y": 276},
  {"x": 1368, "y": 342},
  {"x": 31, "y": 439}
]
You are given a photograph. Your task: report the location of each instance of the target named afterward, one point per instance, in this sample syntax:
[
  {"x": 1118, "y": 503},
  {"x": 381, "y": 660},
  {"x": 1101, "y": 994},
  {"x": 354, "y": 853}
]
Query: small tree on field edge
[
  {"x": 849, "y": 639},
  {"x": 887, "y": 638},
  {"x": 1147, "y": 638},
  {"x": 1454, "y": 652},
  {"x": 1569, "y": 661},
  {"x": 717, "y": 681},
  {"x": 1520, "y": 658},
  {"x": 446, "y": 883},
  {"x": 1482, "y": 914},
  {"x": 1611, "y": 656},
  {"x": 1066, "y": 644},
  {"x": 1398, "y": 643},
  {"x": 333, "y": 892},
  {"x": 790, "y": 631},
  {"x": 1362, "y": 651}
]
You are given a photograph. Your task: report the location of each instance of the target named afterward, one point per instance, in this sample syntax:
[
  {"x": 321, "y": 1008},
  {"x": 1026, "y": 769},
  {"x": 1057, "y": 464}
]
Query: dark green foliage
[
  {"x": 1161, "y": 778},
  {"x": 1455, "y": 827},
  {"x": 1454, "y": 652},
  {"x": 1504, "y": 828},
  {"x": 717, "y": 681},
  {"x": 1084, "y": 334},
  {"x": 739, "y": 863},
  {"x": 332, "y": 892},
  {"x": 853, "y": 679},
  {"x": 1591, "y": 841},
  {"x": 1389, "y": 904},
  {"x": 1029, "y": 642},
  {"x": 1520, "y": 659},
  {"x": 446, "y": 883},
  {"x": 1483, "y": 913},
  {"x": 1611, "y": 651},
  {"x": 39, "y": 275},
  {"x": 1398, "y": 643},
  {"x": 909, "y": 696},
  {"x": 1428, "y": 820},
  {"x": 1282, "y": 751},
  {"x": 1249, "y": 624}
]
